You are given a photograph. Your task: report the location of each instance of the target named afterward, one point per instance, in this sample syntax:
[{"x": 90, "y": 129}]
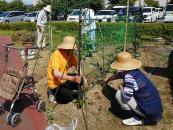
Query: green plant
[{"x": 49, "y": 114}]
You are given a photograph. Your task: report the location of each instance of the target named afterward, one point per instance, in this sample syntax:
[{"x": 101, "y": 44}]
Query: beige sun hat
[
  {"x": 124, "y": 61},
  {"x": 68, "y": 43},
  {"x": 48, "y": 8}
]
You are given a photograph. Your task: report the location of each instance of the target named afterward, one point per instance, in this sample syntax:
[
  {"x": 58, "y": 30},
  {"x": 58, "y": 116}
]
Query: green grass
[{"x": 6, "y": 32}]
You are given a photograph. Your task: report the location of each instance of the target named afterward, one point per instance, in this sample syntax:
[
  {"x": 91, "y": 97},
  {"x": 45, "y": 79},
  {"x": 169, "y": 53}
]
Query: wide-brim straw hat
[
  {"x": 68, "y": 43},
  {"x": 48, "y": 8},
  {"x": 125, "y": 62}
]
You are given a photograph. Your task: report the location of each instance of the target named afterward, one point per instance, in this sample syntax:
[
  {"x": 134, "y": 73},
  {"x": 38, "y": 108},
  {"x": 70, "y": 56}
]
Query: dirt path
[{"x": 102, "y": 112}]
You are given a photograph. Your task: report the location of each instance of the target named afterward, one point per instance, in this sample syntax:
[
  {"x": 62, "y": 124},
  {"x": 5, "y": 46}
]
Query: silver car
[
  {"x": 12, "y": 16},
  {"x": 31, "y": 17}
]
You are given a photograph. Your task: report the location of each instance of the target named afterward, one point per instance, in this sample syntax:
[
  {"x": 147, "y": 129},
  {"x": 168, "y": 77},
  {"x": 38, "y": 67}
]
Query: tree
[
  {"x": 17, "y": 5},
  {"x": 121, "y": 2},
  {"x": 152, "y": 3},
  {"x": 72, "y": 4},
  {"x": 43, "y": 3},
  {"x": 4, "y": 6}
]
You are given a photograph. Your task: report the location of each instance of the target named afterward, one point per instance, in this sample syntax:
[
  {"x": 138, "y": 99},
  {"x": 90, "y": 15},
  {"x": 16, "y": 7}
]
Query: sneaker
[
  {"x": 132, "y": 121},
  {"x": 52, "y": 99}
]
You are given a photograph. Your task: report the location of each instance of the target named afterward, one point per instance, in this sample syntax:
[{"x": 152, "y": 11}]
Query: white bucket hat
[
  {"x": 124, "y": 61},
  {"x": 48, "y": 8}
]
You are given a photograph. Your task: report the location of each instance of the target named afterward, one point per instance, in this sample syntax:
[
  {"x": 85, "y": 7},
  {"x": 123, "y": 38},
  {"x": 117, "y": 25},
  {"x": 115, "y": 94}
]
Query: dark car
[
  {"x": 135, "y": 14},
  {"x": 1, "y": 12}
]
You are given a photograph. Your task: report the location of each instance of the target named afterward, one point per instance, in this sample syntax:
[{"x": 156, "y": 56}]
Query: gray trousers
[
  {"x": 41, "y": 37},
  {"x": 130, "y": 105}
]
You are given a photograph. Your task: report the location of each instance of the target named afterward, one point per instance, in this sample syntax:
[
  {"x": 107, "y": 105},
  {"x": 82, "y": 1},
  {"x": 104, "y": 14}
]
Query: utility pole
[{"x": 140, "y": 4}]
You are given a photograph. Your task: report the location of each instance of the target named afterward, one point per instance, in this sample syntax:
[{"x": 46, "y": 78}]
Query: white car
[
  {"x": 31, "y": 17},
  {"x": 149, "y": 14},
  {"x": 74, "y": 16},
  {"x": 12, "y": 16},
  {"x": 105, "y": 16},
  {"x": 159, "y": 13},
  {"x": 169, "y": 13}
]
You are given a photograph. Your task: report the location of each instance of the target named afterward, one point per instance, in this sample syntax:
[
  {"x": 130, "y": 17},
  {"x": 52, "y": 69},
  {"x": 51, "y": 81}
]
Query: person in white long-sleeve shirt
[
  {"x": 90, "y": 26},
  {"x": 41, "y": 22}
]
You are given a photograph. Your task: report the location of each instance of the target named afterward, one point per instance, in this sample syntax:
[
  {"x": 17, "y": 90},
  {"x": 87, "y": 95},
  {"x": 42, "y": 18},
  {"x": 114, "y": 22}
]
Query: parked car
[
  {"x": 74, "y": 16},
  {"x": 118, "y": 8},
  {"x": 159, "y": 13},
  {"x": 12, "y": 16},
  {"x": 1, "y": 12},
  {"x": 26, "y": 14},
  {"x": 168, "y": 16},
  {"x": 135, "y": 14},
  {"x": 149, "y": 14},
  {"x": 105, "y": 16},
  {"x": 31, "y": 17}
]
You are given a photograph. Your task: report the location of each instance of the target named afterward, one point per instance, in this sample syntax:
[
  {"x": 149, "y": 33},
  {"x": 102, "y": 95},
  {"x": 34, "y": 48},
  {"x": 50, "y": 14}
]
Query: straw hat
[
  {"x": 48, "y": 8},
  {"x": 68, "y": 43},
  {"x": 124, "y": 61}
]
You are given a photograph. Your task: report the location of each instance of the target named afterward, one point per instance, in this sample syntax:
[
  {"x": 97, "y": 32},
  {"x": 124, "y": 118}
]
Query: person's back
[{"x": 147, "y": 96}]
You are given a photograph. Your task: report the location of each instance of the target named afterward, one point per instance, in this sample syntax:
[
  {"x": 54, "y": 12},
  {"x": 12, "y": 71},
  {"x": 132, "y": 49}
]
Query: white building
[{"x": 162, "y": 3}]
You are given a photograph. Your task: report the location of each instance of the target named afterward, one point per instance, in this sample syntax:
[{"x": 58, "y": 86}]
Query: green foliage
[
  {"x": 17, "y": 5},
  {"x": 14, "y": 5},
  {"x": 4, "y": 5},
  {"x": 121, "y": 2},
  {"x": 152, "y": 3},
  {"x": 18, "y": 26},
  {"x": 106, "y": 32},
  {"x": 49, "y": 114},
  {"x": 42, "y": 3},
  {"x": 66, "y": 5}
]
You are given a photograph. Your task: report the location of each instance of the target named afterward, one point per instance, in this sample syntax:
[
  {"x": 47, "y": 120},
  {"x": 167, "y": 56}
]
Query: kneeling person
[
  {"x": 138, "y": 95},
  {"x": 61, "y": 87}
]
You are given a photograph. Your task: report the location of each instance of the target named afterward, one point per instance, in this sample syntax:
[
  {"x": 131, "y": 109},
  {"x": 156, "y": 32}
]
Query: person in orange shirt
[{"x": 60, "y": 84}]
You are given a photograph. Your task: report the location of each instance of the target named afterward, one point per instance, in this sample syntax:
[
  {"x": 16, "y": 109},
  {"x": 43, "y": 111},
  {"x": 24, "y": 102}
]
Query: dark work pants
[{"x": 66, "y": 92}]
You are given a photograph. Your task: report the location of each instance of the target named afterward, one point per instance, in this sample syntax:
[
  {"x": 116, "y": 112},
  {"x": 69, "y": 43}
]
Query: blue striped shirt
[{"x": 130, "y": 86}]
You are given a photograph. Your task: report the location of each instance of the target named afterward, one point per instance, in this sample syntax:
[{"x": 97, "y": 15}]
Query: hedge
[{"x": 145, "y": 30}]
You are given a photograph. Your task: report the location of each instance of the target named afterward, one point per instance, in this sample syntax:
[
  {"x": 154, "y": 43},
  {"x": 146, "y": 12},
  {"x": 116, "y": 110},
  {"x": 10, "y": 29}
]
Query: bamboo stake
[{"x": 126, "y": 31}]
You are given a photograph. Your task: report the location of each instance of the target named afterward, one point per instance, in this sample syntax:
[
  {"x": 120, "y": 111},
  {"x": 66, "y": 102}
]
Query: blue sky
[{"x": 28, "y": 2}]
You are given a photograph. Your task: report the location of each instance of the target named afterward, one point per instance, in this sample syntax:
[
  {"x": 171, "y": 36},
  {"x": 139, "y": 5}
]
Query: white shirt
[
  {"x": 89, "y": 21},
  {"x": 42, "y": 18}
]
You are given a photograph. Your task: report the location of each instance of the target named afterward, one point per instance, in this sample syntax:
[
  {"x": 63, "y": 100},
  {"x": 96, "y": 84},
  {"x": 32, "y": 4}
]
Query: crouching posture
[
  {"x": 138, "y": 95},
  {"x": 62, "y": 87}
]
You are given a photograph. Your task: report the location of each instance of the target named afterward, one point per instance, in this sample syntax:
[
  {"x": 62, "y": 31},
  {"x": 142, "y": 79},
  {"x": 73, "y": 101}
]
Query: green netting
[{"x": 106, "y": 33}]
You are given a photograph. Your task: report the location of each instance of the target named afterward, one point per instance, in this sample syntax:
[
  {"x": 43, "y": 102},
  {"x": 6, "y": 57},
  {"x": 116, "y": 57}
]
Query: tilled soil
[{"x": 101, "y": 110}]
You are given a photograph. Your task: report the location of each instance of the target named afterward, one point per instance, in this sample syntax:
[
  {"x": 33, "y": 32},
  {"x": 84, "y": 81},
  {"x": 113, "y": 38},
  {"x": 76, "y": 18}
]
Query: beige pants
[
  {"x": 41, "y": 39},
  {"x": 130, "y": 105}
]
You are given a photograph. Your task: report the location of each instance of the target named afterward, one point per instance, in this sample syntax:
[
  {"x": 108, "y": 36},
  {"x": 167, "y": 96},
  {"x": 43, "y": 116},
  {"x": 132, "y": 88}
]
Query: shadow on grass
[
  {"x": 164, "y": 72},
  {"x": 25, "y": 101},
  {"x": 159, "y": 71},
  {"x": 115, "y": 108},
  {"x": 170, "y": 71}
]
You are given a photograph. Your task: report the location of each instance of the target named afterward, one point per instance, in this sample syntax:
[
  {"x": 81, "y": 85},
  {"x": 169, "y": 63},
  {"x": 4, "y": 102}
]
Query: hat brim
[
  {"x": 67, "y": 46},
  {"x": 47, "y": 10},
  {"x": 133, "y": 64}
]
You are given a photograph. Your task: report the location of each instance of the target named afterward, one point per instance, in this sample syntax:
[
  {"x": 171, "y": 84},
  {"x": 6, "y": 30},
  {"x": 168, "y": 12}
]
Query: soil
[{"x": 101, "y": 110}]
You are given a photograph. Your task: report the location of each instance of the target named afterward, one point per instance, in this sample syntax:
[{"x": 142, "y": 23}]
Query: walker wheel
[
  {"x": 41, "y": 106},
  {"x": 8, "y": 118},
  {"x": 2, "y": 110},
  {"x": 15, "y": 120}
]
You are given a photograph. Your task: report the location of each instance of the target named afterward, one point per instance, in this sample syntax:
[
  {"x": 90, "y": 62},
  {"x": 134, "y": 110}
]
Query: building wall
[
  {"x": 35, "y": 2},
  {"x": 161, "y": 2}
]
